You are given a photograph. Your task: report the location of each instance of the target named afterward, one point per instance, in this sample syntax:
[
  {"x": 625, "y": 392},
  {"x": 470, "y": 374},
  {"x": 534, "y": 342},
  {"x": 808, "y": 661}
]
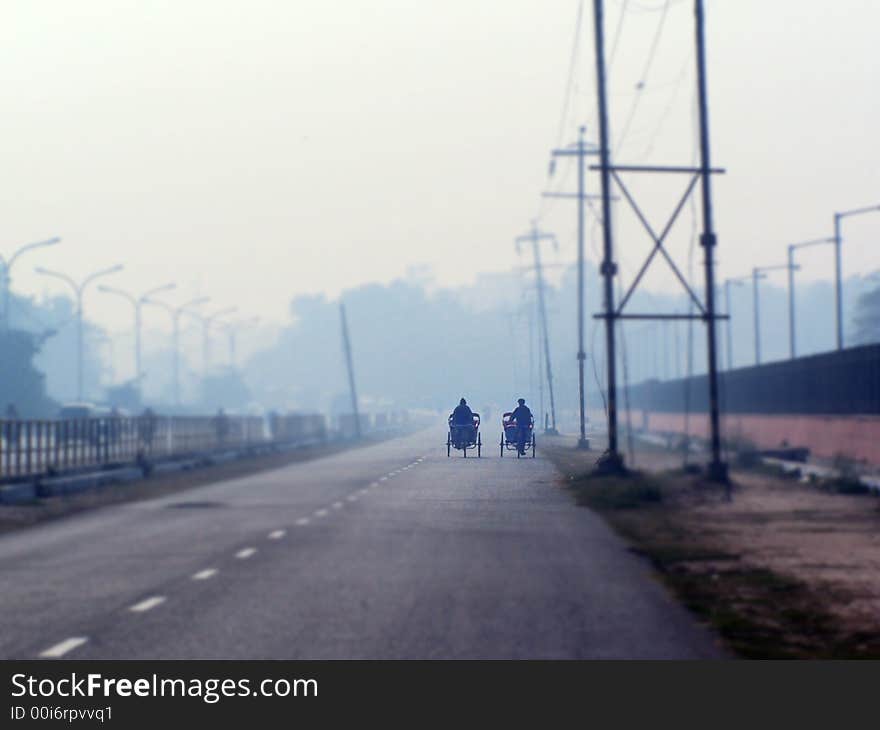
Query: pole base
[
  {"x": 611, "y": 462},
  {"x": 551, "y": 432},
  {"x": 716, "y": 471},
  {"x": 584, "y": 444}
]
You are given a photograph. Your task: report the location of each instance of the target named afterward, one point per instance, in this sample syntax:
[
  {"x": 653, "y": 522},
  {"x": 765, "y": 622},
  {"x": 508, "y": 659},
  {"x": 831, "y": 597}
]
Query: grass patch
[{"x": 629, "y": 491}]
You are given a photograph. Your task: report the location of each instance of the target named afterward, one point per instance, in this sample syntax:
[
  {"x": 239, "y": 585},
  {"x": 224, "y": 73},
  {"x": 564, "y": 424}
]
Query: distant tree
[
  {"x": 21, "y": 384},
  {"x": 867, "y": 318}
]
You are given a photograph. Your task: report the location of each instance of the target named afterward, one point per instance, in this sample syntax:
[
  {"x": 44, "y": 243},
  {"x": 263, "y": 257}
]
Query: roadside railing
[{"x": 40, "y": 447}]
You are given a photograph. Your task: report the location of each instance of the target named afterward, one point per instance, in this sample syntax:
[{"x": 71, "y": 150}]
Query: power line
[
  {"x": 544, "y": 206},
  {"x": 575, "y": 51},
  {"x": 617, "y": 31},
  {"x": 655, "y": 44}
]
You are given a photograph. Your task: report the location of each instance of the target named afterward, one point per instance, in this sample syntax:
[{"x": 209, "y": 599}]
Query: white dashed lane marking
[
  {"x": 63, "y": 647},
  {"x": 205, "y": 574},
  {"x": 277, "y": 534},
  {"x": 352, "y": 498},
  {"x": 245, "y": 553},
  {"x": 147, "y": 604},
  {"x": 321, "y": 513},
  {"x": 382, "y": 479},
  {"x": 302, "y": 521},
  {"x": 337, "y": 505}
]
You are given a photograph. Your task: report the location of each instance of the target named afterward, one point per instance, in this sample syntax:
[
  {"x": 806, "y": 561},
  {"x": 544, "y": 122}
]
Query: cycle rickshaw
[
  {"x": 464, "y": 436},
  {"x": 510, "y": 436}
]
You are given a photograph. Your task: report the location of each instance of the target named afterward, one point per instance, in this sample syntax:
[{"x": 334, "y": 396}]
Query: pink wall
[{"x": 857, "y": 437}]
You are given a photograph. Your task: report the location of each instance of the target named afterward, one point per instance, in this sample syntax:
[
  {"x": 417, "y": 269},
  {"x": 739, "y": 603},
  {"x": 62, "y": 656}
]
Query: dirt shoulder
[
  {"x": 14, "y": 517},
  {"x": 783, "y": 570}
]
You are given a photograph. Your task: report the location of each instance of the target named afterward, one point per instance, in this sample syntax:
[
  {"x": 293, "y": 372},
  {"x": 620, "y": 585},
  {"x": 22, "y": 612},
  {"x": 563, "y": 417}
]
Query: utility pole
[
  {"x": 613, "y": 460},
  {"x": 838, "y": 273},
  {"x": 535, "y": 346},
  {"x": 535, "y": 237},
  {"x": 792, "y": 267},
  {"x": 579, "y": 150},
  {"x": 7, "y": 274},
  {"x": 79, "y": 290},
  {"x": 346, "y": 345},
  {"x": 717, "y": 468}
]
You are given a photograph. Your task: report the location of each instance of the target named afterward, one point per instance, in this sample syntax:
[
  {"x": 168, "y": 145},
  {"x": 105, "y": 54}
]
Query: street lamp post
[
  {"x": 792, "y": 267},
  {"x": 176, "y": 313},
  {"x": 207, "y": 321},
  {"x": 79, "y": 290},
  {"x": 757, "y": 274},
  {"x": 738, "y": 281},
  {"x": 838, "y": 276},
  {"x": 7, "y": 273},
  {"x": 137, "y": 303},
  {"x": 231, "y": 328}
]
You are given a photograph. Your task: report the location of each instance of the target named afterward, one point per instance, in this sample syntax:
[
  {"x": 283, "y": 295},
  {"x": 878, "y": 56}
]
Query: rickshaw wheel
[{"x": 479, "y": 446}]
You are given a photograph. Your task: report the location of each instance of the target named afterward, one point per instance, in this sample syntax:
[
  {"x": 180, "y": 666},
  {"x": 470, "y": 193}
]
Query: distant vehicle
[
  {"x": 78, "y": 411},
  {"x": 510, "y": 435},
  {"x": 75, "y": 411},
  {"x": 464, "y": 436}
]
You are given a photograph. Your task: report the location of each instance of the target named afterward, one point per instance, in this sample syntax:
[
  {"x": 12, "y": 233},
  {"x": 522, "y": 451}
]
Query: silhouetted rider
[
  {"x": 462, "y": 415},
  {"x": 522, "y": 417}
]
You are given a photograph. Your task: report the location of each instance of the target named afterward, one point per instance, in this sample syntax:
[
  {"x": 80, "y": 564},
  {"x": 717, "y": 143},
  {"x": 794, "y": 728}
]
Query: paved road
[{"x": 388, "y": 551}]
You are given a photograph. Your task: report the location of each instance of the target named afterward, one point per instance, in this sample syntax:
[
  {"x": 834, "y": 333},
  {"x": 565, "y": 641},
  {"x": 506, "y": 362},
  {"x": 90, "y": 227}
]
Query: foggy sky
[{"x": 261, "y": 150}]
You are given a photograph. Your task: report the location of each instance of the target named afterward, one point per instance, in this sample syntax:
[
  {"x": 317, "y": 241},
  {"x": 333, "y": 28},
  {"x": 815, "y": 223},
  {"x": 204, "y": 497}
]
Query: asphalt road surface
[{"x": 391, "y": 551}]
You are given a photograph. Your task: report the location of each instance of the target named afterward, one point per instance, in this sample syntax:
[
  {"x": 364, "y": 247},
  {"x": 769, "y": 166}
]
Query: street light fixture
[
  {"x": 792, "y": 267},
  {"x": 7, "y": 272},
  {"x": 137, "y": 303},
  {"x": 79, "y": 290},
  {"x": 758, "y": 273},
  {"x": 838, "y": 217}
]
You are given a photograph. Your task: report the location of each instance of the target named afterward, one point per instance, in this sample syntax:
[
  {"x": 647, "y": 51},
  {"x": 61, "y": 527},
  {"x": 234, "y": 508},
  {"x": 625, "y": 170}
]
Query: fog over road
[{"x": 390, "y": 551}]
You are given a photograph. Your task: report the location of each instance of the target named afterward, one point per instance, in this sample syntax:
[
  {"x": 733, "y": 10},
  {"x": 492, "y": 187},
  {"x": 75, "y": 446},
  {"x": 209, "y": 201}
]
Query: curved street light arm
[
  {"x": 165, "y": 287},
  {"x": 28, "y": 247},
  {"x": 118, "y": 292},
  {"x": 58, "y": 275},
  {"x": 103, "y": 272}
]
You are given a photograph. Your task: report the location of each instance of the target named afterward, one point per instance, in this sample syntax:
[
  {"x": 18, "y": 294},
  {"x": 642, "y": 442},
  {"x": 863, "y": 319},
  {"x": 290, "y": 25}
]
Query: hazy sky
[{"x": 252, "y": 151}]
